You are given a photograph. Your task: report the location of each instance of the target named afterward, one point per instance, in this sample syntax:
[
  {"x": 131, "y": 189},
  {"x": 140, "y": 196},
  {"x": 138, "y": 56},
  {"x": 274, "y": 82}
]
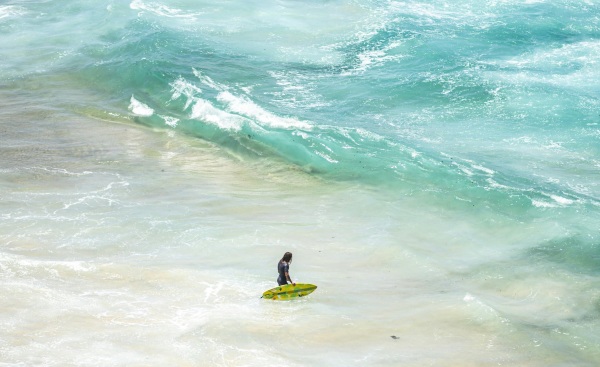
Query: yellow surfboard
[{"x": 289, "y": 291}]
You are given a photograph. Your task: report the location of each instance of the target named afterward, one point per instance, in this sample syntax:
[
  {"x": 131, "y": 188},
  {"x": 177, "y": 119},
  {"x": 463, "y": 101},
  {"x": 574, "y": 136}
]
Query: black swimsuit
[{"x": 282, "y": 268}]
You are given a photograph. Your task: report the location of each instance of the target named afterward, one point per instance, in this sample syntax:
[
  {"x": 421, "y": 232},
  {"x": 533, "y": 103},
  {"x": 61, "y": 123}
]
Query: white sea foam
[
  {"x": 472, "y": 168},
  {"x": 369, "y": 134},
  {"x": 62, "y": 171},
  {"x": 571, "y": 65},
  {"x": 9, "y": 11},
  {"x": 561, "y": 200},
  {"x": 371, "y": 58},
  {"x": 140, "y": 109},
  {"x": 464, "y": 169},
  {"x": 553, "y": 145},
  {"x": 239, "y": 109},
  {"x": 429, "y": 11},
  {"x": 556, "y": 201},
  {"x": 483, "y": 169},
  {"x": 205, "y": 111},
  {"x": 246, "y": 107},
  {"x": 182, "y": 87},
  {"x": 326, "y": 157},
  {"x": 171, "y": 121},
  {"x": 377, "y": 54},
  {"x": 542, "y": 204},
  {"x": 162, "y": 10},
  {"x": 296, "y": 91},
  {"x": 206, "y": 80},
  {"x": 26, "y": 264},
  {"x": 493, "y": 184}
]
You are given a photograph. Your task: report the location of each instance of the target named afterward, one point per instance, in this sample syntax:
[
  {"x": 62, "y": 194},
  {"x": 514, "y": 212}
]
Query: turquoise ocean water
[{"x": 434, "y": 167}]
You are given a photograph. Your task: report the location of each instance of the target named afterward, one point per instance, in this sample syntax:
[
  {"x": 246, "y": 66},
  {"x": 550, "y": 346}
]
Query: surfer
[{"x": 283, "y": 267}]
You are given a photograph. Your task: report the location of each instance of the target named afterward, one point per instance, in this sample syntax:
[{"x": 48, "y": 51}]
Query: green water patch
[
  {"x": 548, "y": 293},
  {"x": 574, "y": 253}
]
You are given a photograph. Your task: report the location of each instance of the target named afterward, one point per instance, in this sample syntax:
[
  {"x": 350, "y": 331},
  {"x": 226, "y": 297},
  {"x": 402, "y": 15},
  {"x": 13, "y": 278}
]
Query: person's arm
[{"x": 287, "y": 277}]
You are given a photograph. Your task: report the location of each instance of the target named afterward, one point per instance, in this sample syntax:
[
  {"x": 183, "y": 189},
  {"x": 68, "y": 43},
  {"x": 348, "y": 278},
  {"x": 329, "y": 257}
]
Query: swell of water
[{"x": 434, "y": 168}]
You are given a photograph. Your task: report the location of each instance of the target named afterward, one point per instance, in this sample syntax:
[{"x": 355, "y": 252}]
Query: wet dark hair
[{"x": 287, "y": 257}]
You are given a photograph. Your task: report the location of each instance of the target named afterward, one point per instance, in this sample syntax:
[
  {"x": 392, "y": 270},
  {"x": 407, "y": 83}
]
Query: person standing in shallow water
[{"x": 283, "y": 267}]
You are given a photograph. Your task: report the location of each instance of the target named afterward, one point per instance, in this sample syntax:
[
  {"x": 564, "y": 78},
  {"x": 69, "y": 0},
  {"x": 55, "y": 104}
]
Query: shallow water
[{"x": 433, "y": 168}]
